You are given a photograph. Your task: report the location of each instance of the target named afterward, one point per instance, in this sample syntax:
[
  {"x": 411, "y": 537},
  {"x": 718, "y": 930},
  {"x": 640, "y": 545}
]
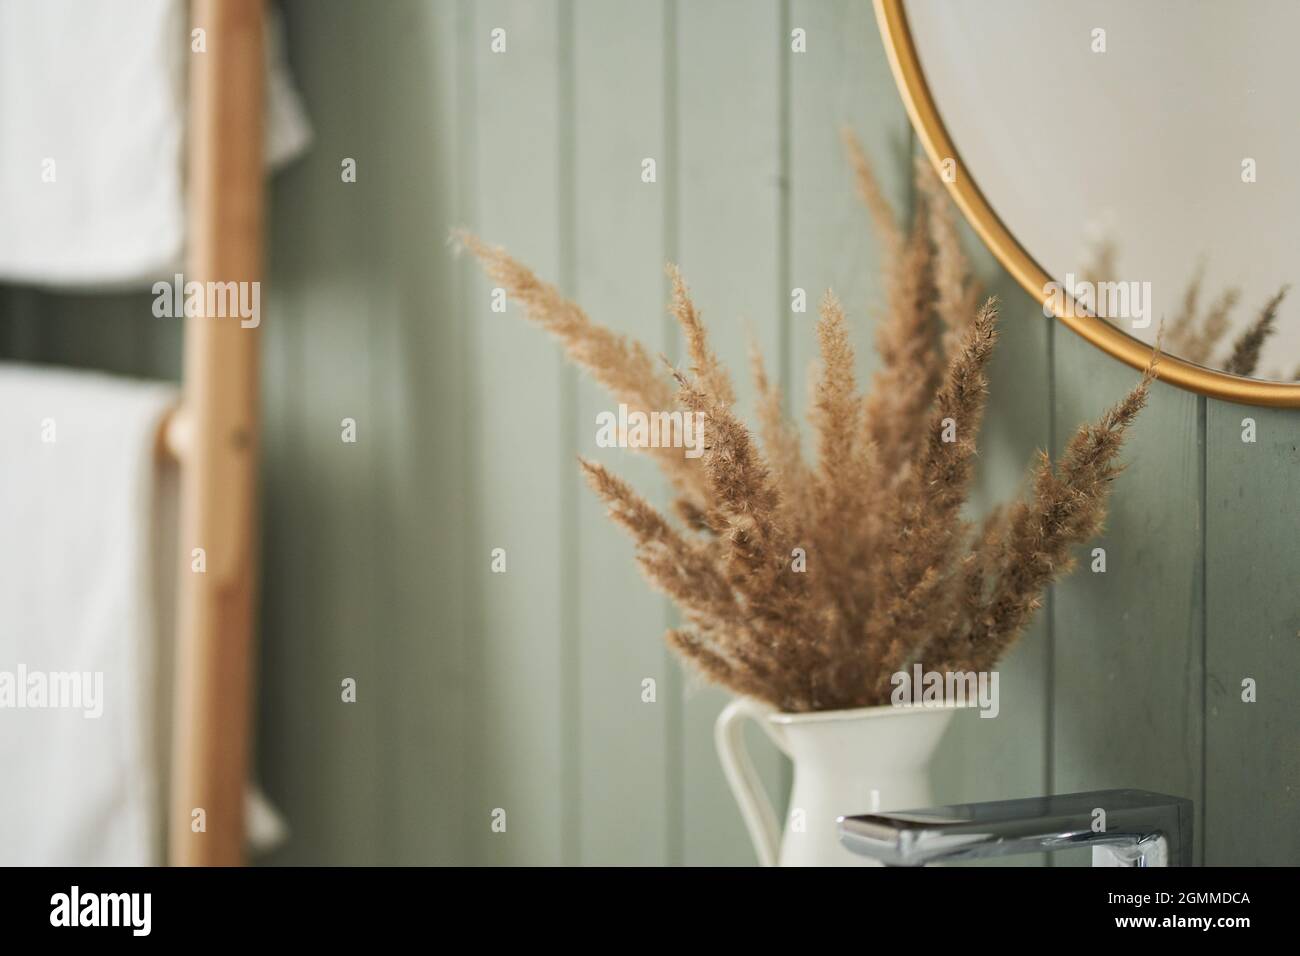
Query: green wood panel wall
[
  {"x": 320, "y": 509},
  {"x": 1251, "y": 798},
  {"x": 625, "y": 753},
  {"x": 1127, "y": 643},
  {"x": 523, "y": 690},
  {"x": 522, "y": 405},
  {"x": 842, "y": 80}
]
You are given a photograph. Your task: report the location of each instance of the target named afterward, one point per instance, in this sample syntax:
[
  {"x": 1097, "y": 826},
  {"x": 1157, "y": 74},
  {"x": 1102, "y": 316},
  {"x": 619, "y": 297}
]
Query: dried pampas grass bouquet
[{"x": 807, "y": 583}]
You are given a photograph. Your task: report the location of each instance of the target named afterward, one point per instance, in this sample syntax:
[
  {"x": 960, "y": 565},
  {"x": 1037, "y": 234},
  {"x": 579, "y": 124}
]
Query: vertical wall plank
[
  {"x": 319, "y": 600},
  {"x": 337, "y": 366},
  {"x": 417, "y": 539},
  {"x": 282, "y": 760},
  {"x": 295, "y": 686},
  {"x": 520, "y": 454},
  {"x": 622, "y": 745},
  {"x": 1127, "y": 670},
  {"x": 1252, "y": 757},
  {"x": 339, "y": 388},
  {"x": 361, "y": 277},
  {"x": 729, "y": 244},
  {"x": 842, "y": 80}
]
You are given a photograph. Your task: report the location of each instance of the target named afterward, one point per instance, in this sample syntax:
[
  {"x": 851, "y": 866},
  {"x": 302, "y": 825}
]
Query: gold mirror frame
[{"x": 921, "y": 109}]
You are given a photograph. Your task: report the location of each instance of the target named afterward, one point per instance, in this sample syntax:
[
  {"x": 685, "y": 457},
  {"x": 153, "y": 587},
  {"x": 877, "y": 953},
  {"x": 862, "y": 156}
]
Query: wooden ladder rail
[{"x": 215, "y": 434}]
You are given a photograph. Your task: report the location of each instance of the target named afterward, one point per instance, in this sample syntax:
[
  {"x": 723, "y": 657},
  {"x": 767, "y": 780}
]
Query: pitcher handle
[{"x": 755, "y": 805}]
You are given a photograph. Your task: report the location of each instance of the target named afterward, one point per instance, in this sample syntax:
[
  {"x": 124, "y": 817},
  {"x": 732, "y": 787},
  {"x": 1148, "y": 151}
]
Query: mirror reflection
[{"x": 1142, "y": 154}]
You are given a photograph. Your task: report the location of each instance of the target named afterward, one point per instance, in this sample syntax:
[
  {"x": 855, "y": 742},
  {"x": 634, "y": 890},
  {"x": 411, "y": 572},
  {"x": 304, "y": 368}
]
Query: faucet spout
[{"x": 1123, "y": 827}]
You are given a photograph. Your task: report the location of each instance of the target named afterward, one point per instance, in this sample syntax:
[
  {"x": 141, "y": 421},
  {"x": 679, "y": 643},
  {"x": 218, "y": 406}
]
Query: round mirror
[{"x": 1133, "y": 165}]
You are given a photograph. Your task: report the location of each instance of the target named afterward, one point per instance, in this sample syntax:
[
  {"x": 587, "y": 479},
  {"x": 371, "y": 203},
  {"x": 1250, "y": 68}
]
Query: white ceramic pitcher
[{"x": 845, "y": 762}]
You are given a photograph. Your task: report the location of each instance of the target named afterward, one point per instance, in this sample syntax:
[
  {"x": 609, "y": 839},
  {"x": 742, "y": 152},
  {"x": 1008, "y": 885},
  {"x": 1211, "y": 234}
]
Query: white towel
[
  {"x": 83, "y": 509},
  {"x": 92, "y": 135}
]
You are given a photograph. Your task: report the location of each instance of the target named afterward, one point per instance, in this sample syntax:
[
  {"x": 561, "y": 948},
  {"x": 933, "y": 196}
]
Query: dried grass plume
[{"x": 806, "y": 581}]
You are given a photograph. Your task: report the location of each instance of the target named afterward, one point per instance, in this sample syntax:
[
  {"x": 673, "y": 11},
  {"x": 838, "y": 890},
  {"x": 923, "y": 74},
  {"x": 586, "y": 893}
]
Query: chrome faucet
[{"x": 1123, "y": 827}]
